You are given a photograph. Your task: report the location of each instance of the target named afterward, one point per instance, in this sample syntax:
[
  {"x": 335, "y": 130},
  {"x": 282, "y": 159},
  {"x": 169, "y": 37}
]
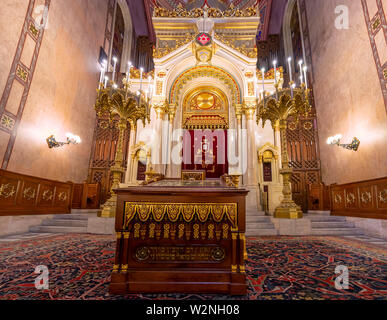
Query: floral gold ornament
[
  {"x": 366, "y": 197},
  {"x": 29, "y": 193},
  {"x": 62, "y": 196},
  {"x": 338, "y": 199},
  {"x": 383, "y": 196},
  {"x": 7, "y": 190},
  {"x": 47, "y": 195},
  {"x": 350, "y": 198}
]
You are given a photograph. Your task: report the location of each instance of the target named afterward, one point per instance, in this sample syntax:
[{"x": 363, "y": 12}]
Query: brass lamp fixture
[
  {"x": 335, "y": 140},
  {"x": 71, "y": 139},
  {"x": 129, "y": 106},
  {"x": 276, "y": 108}
]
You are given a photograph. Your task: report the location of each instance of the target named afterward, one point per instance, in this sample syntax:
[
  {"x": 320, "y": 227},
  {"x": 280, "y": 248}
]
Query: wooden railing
[
  {"x": 365, "y": 199},
  {"x": 26, "y": 195}
]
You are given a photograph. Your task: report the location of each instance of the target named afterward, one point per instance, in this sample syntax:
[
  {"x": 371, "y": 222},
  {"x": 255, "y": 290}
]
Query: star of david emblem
[{"x": 204, "y": 39}]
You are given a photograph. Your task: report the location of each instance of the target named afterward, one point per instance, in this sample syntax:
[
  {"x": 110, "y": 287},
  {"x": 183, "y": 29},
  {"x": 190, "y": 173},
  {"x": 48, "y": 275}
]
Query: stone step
[
  {"x": 336, "y": 231},
  {"x": 58, "y": 229},
  {"x": 73, "y": 216},
  {"x": 259, "y": 225},
  {"x": 332, "y": 224},
  {"x": 84, "y": 211},
  {"x": 324, "y": 218},
  {"x": 255, "y": 213},
  {"x": 65, "y": 222},
  {"x": 321, "y": 213},
  {"x": 257, "y": 219},
  {"x": 261, "y": 232}
]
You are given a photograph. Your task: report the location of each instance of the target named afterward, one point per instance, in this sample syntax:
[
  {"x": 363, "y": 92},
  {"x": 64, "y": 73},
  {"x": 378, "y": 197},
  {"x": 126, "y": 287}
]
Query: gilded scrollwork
[{"x": 366, "y": 197}]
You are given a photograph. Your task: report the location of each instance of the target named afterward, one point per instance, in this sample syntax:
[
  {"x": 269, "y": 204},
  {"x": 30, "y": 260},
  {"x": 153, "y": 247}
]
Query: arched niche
[
  {"x": 269, "y": 182},
  {"x": 140, "y": 157}
]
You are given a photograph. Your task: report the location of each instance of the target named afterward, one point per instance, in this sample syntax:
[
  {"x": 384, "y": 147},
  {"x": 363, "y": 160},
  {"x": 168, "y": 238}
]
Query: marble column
[
  {"x": 239, "y": 113},
  {"x": 132, "y": 142},
  {"x": 157, "y": 147},
  {"x": 249, "y": 110},
  {"x": 171, "y": 118},
  {"x": 253, "y": 202}
]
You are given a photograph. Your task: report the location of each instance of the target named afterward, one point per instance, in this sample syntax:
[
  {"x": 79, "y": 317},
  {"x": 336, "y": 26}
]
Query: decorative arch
[
  {"x": 205, "y": 71},
  {"x": 287, "y": 33},
  {"x": 127, "y": 46}
]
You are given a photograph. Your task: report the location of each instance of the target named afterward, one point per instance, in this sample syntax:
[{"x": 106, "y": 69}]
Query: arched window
[{"x": 293, "y": 42}]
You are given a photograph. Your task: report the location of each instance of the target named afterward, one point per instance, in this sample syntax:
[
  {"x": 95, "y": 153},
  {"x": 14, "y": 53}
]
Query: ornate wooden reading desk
[{"x": 180, "y": 237}]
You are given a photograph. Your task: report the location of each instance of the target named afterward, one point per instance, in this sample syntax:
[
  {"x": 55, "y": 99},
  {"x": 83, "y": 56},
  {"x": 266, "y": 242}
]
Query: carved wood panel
[
  {"x": 303, "y": 157},
  {"x": 103, "y": 154}
]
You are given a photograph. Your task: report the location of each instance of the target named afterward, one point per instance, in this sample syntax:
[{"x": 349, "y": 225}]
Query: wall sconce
[
  {"x": 71, "y": 138},
  {"x": 335, "y": 140}
]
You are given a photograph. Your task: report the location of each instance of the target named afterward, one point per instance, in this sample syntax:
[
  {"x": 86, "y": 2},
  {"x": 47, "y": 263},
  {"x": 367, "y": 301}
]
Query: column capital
[
  {"x": 171, "y": 110},
  {"x": 249, "y": 107}
]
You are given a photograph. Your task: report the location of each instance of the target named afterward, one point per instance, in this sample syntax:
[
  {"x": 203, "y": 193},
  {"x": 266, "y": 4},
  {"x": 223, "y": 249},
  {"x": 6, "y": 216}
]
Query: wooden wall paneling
[
  {"x": 365, "y": 199},
  {"x": 27, "y": 195}
]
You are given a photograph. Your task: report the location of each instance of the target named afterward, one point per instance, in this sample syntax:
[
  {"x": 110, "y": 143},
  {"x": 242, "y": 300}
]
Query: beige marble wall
[
  {"x": 62, "y": 93},
  {"x": 347, "y": 92}
]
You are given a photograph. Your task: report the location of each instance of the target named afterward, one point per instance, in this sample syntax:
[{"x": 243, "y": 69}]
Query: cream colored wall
[
  {"x": 63, "y": 89},
  {"x": 347, "y": 92}
]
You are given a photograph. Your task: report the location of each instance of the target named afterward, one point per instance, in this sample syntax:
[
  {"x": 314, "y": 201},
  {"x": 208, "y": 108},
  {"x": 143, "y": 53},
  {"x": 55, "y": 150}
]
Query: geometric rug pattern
[{"x": 278, "y": 268}]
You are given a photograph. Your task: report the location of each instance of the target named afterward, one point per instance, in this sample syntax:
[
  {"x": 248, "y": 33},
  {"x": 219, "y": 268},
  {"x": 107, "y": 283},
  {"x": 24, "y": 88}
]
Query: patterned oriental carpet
[{"x": 278, "y": 268}]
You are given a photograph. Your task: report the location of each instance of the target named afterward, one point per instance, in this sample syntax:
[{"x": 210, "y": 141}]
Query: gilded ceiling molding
[
  {"x": 205, "y": 71},
  {"x": 181, "y": 12}
]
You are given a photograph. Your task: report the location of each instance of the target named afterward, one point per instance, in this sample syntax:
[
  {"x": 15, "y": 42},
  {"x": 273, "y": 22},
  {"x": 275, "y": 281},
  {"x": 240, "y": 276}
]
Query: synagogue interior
[{"x": 193, "y": 149}]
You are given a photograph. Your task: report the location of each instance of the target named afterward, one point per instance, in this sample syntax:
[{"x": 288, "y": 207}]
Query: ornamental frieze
[{"x": 173, "y": 211}]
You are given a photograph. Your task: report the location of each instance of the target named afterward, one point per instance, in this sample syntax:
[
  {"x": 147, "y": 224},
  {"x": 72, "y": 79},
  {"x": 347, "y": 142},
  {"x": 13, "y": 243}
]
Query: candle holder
[
  {"x": 277, "y": 108},
  {"x": 113, "y": 101}
]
